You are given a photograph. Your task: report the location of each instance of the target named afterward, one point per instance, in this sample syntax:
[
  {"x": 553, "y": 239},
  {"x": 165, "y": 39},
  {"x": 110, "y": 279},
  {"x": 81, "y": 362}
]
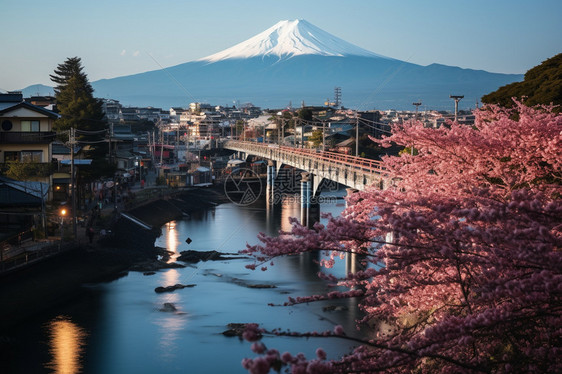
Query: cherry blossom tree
[{"x": 464, "y": 252}]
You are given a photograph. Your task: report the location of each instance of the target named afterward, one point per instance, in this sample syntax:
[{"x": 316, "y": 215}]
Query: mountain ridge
[
  {"x": 291, "y": 38},
  {"x": 301, "y": 62}
]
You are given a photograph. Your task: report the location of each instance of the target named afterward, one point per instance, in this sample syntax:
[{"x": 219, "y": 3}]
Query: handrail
[{"x": 354, "y": 162}]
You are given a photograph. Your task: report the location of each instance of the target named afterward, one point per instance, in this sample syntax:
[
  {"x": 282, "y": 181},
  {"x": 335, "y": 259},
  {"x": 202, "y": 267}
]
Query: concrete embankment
[{"x": 45, "y": 284}]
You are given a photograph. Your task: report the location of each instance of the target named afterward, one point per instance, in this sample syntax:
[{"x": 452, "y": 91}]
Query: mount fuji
[{"x": 295, "y": 61}]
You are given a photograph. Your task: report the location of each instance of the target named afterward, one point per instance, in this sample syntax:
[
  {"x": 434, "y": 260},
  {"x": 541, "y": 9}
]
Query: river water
[{"x": 119, "y": 327}]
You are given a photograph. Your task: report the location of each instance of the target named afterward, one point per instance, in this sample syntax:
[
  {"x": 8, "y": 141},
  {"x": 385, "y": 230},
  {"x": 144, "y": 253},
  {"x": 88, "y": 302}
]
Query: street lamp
[
  {"x": 62, "y": 212},
  {"x": 457, "y": 98}
]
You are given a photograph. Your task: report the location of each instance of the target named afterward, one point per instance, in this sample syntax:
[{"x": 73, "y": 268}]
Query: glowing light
[
  {"x": 172, "y": 240},
  {"x": 63, "y": 212},
  {"x": 66, "y": 346}
]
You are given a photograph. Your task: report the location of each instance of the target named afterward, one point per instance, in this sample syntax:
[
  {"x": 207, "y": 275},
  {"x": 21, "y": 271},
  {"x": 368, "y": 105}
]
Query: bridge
[{"x": 351, "y": 171}]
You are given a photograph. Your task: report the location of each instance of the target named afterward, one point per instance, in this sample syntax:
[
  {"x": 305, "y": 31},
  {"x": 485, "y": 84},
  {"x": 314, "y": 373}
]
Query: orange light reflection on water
[
  {"x": 172, "y": 240},
  {"x": 66, "y": 345}
]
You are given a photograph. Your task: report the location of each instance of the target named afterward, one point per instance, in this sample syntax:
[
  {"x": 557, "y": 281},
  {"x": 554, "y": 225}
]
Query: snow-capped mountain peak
[{"x": 291, "y": 38}]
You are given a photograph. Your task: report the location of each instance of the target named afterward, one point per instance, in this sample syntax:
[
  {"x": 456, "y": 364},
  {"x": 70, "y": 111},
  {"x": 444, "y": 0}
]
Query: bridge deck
[{"x": 352, "y": 171}]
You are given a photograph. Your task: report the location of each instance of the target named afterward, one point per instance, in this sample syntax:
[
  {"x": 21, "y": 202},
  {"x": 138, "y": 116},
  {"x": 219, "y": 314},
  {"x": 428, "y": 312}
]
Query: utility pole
[
  {"x": 302, "y": 133},
  {"x": 282, "y": 140},
  {"x": 323, "y": 136},
  {"x": 295, "y": 133},
  {"x": 457, "y": 98},
  {"x": 72, "y": 180},
  {"x": 356, "y": 134},
  {"x": 161, "y": 145},
  {"x": 176, "y": 149}
]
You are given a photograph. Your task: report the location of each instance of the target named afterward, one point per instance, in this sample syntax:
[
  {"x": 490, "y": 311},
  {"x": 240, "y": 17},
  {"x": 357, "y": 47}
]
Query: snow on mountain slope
[{"x": 291, "y": 38}]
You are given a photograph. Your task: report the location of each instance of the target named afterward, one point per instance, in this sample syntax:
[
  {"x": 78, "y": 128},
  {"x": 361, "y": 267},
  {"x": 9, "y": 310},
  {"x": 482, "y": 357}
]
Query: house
[
  {"x": 112, "y": 110},
  {"x": 26, "y": 136},
  {"x": 22, "y": 207},
  {"x": 201, "y": 176}
]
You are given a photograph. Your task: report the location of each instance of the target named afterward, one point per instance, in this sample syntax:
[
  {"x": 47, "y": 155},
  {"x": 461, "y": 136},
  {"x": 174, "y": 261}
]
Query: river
[{"x": 119, "y": 327}]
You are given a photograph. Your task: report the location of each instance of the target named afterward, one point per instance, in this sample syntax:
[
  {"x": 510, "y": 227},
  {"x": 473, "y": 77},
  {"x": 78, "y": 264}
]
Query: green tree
[
  {"x": 542, "y": 85},
  {"x": 75, "y": 98},
  {"x": 239, "y": 129},
  {"x": 305, "y": 114},
  {"x": 316, "y": 138},
  {"x": 80, "y": 110}
]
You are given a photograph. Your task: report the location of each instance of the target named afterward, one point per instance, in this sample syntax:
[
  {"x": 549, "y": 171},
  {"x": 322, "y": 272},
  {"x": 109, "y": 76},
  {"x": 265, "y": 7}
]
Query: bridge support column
[
  {"x": 354, "y": 262},
  {"x": 310, "y": 209},
  {"x": 306, "y": 190},
  {"x": 271, "y": 173},
  {"x": 270, "y": 189}
]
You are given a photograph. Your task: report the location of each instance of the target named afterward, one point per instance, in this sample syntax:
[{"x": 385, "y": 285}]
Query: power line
[
  {"x": 178, "y": 83},
  {"x": 91, "y": 142},
  {"x": 87, "y": 132}
]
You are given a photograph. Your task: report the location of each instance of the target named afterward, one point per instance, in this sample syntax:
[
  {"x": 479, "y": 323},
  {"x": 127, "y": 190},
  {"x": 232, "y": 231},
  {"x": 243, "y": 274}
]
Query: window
[
  {"x": 31, "y": 156},
  {"x": 11, "y": 156},
  {"x": 29, "y": 125}
]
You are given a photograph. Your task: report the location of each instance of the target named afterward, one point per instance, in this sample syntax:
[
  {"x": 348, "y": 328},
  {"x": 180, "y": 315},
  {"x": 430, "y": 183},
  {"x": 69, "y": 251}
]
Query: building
[
  {"x": 26, "y": 153},
  {"x": 112, "y": 110},
  {"x": 26, "y": 136}
]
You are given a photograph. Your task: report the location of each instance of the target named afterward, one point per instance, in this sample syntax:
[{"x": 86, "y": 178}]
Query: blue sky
[{"x": 116, "y": 38}]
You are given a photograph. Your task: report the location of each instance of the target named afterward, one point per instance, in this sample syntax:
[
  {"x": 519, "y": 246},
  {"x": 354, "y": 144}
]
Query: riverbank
[{"x": 45, "y": 284}]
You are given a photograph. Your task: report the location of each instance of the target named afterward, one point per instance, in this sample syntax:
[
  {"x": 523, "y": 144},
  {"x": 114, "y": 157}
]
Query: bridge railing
[{"x": 353, "y": 162}]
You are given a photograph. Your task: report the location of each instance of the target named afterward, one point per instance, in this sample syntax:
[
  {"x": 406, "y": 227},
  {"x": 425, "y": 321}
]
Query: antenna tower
[{"x": 337, "y": 97}]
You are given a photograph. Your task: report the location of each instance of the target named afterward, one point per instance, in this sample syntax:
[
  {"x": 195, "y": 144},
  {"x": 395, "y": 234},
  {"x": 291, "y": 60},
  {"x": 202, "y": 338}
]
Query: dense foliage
[
  {"x": 542, "y": 85},
  {"x": 80, "y": 110},
  {"x": 464, "y": 252},
  {"x": 75, "y": 100}
]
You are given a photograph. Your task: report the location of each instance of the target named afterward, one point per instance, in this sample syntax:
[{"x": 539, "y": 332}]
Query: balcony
[{"x": 26, "y": 137}]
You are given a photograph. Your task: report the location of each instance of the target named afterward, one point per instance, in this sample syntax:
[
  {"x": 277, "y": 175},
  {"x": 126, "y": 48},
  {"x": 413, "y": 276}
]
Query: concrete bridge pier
[
  {"x": 310, "y": 214},
  {"x": 310, "y": 209},
  {"x": 271, "y": 173},
  {"x": 306, "y": 190},
  {"x": 354, "y": 262},
  {"x": 270, "y": 188}
]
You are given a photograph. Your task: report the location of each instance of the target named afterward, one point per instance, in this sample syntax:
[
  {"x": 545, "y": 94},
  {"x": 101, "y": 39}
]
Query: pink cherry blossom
[{"x": 464, "y": 252}]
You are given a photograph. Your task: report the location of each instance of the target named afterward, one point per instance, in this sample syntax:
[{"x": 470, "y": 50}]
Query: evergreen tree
[
  {"x": 75, "y": 101},
  {"x": 80, "y": 110},
  {"x": 68, "y": 69},
  {"x": 316, "y": 138}
]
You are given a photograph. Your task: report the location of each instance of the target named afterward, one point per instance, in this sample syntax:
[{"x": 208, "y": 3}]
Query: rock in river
[
  {"x": 172, "y": 288},
  {"x": 168, "y": 307}
]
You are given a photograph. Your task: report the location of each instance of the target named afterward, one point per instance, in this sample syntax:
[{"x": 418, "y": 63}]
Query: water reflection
[
  {"x": 290, "y": 207},
  {"x": 171, "y": 239},
  {"x": 66, "y": 346},
  {"x": 170, "y": 323}
]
